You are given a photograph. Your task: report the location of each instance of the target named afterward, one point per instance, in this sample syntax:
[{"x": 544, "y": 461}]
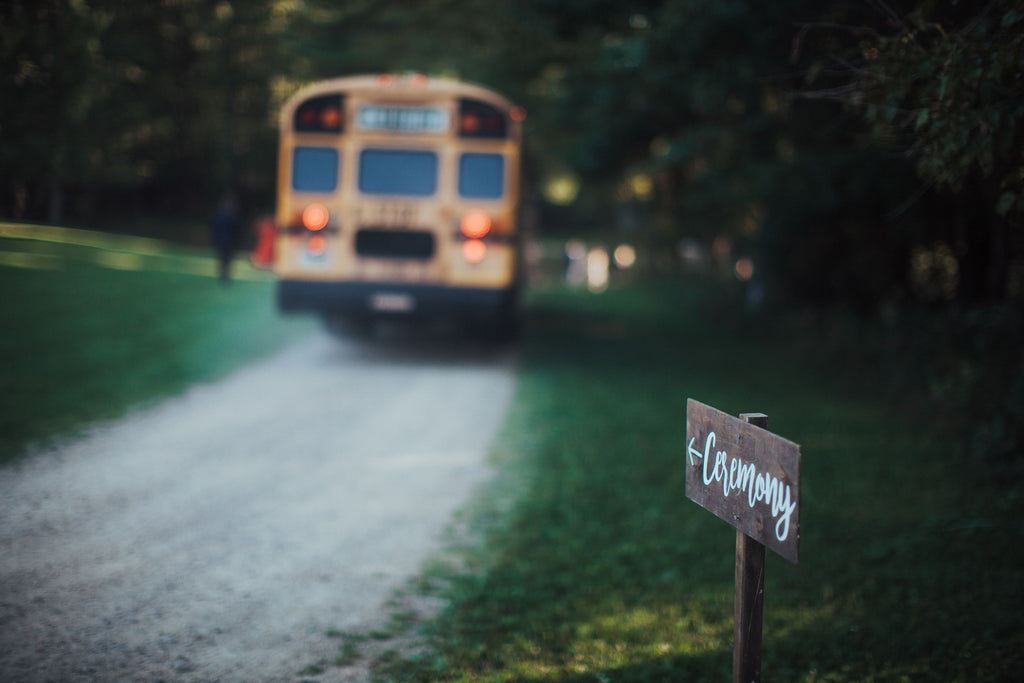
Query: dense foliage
[
  {"x": 941, "y": 82},
  {"x": 862, "y": 152},
  {"x": 110, "y": 106}
]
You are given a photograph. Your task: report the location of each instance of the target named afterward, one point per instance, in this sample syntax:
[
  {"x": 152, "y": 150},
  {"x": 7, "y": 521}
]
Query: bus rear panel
[{"x": 398, "y": 197}]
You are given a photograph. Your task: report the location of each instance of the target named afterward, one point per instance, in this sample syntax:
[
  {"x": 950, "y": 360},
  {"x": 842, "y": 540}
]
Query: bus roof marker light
[
  {"x": 517, "y": 114},
  {"x": 475, "y": 224},
  {"x": 384, "y": 80},
  {"x": 315, "y": 217}
]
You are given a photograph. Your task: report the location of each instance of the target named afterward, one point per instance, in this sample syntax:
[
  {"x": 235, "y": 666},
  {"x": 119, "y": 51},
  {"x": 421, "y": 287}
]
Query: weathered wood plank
[{"x": 746, "y": 476}]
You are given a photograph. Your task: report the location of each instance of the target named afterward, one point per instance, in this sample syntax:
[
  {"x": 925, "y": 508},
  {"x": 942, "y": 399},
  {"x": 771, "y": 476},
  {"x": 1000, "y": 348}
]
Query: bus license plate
[{"x": 390, "y": 302}]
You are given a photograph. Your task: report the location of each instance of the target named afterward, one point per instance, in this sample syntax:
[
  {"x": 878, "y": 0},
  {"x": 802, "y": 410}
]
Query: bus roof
[{"x": 404, "y": 86}]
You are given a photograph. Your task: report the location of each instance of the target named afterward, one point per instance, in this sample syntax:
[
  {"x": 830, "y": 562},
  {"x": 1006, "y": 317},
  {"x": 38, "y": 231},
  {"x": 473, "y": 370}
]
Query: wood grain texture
[{"x": 745, "y": 475}]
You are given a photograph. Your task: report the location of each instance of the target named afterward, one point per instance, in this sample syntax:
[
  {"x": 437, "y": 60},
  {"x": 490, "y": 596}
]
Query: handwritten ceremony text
[{"x": 745, "y": 475}]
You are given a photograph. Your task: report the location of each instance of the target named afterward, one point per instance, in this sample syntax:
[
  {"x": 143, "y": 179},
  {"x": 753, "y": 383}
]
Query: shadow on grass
[{"x": 595, "y": 567}]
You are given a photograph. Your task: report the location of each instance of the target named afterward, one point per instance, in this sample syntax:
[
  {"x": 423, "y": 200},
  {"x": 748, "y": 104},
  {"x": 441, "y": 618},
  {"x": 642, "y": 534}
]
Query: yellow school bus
[{"x": 398, "y": 196}]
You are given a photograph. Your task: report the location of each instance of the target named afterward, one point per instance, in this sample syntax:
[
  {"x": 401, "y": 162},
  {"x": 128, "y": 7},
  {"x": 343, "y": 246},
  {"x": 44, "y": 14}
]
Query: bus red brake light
[
  {"x": 475, "y": 224},
  {"x": 315, "y": 217},
  {"x": 469, "y": 124},
  {"x": 474, "y": 251},
  {"x": 330, "y": 118},
  {"x": 317, "y": 245},
  {"x": 478, "y": 119},
  {"x": 321, "y": 114}
]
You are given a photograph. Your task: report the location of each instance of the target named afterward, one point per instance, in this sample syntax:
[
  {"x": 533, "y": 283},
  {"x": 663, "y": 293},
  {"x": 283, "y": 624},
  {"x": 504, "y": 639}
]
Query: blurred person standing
[{"x": 224, "y": 234}]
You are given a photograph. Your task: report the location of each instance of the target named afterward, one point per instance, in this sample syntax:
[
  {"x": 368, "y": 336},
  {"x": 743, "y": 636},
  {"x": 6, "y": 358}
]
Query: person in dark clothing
[{"x": 224, "y": 233}]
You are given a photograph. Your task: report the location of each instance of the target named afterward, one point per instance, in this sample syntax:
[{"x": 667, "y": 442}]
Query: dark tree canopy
[{"x": 837, "y": 143}]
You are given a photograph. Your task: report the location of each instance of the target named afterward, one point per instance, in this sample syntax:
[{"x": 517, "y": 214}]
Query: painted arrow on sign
[{"x": 746, "y": 476}]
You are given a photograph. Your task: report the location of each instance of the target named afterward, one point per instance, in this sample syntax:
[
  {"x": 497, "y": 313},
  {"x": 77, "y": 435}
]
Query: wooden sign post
[{"x": 749, "y": 477}]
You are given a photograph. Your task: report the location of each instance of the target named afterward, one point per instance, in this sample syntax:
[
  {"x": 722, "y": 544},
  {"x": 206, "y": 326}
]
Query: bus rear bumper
[{"x": 371, "y": 299}]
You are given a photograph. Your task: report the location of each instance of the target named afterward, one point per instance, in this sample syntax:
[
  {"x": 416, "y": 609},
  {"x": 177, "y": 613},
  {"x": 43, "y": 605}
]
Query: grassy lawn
[
  {"x": 593, "y": 566},
  {"x": 93, "y": 325}
]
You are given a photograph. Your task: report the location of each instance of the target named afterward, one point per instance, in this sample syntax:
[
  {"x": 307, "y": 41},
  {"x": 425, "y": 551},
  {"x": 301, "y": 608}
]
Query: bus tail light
[
  {"x": 475, "y": 224},
  {"x": 474, "y": 251},
  {"x": 317, "y": 245},
  {"x": 315, "y": 217}
]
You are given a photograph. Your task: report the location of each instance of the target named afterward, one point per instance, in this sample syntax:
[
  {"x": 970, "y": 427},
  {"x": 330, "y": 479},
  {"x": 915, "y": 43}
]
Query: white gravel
[{"x": 219, "y": 535}]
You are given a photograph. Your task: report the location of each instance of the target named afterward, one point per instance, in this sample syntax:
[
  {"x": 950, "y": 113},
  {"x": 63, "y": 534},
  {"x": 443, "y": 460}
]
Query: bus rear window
[
  {"x": 314, "y": 169},
  {"x": 481, "y": 176},
  {"x": 398, "y": 172}
]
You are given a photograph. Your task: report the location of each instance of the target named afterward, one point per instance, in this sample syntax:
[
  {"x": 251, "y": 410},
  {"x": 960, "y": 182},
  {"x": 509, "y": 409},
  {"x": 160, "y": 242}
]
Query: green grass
[
  {"x": 595, "y": 567},
  {"x": 93, "y": 325}
]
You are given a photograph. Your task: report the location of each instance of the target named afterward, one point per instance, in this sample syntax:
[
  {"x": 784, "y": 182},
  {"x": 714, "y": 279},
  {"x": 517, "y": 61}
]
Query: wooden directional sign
[{"x": 745, "y": 475}]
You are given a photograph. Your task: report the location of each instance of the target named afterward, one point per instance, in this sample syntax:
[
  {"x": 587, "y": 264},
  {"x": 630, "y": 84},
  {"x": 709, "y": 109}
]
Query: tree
[
  {"x": 943, "y": 82},
  {"x": 110, "y": 105},
  {"x": 46, "y": 49}
]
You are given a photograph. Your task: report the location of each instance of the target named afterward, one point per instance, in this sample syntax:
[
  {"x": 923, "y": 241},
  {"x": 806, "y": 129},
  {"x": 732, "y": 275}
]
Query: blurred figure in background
[{"x": 224, "y": 229}]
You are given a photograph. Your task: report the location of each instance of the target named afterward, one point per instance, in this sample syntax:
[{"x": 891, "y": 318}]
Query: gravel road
[{"x": 219, "y": 535}]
